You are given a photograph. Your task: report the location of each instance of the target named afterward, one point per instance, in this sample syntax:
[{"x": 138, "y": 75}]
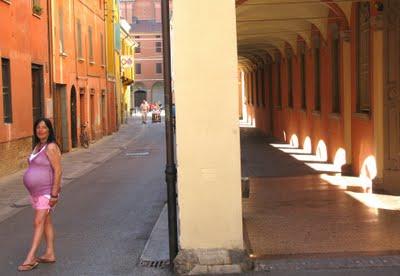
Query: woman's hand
[{"x": 53, "y": 201}]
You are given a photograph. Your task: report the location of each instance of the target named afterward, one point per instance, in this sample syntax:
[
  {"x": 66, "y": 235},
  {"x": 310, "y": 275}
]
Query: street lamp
[{"x": 170, "y": 169}]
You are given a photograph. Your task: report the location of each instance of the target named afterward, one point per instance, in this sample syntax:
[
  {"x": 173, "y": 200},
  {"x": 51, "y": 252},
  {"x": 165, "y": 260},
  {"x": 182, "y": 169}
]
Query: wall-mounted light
[{"x": 379, "y": 6}]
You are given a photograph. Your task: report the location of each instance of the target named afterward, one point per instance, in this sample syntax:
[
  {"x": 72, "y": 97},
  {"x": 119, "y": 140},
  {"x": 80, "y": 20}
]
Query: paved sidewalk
[
  {"x": 299, "y": 219},
  {"x": 13, "y": 195}
]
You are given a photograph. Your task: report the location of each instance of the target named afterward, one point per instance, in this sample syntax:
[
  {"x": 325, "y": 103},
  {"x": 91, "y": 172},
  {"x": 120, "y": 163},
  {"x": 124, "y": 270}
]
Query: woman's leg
[
  {"x": 40, "y": 217},
  {"x": 49, "y": 236}
]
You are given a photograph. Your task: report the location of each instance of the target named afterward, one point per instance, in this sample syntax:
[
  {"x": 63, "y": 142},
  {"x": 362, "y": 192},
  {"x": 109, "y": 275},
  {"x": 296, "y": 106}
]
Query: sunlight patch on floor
[
  {"x": 347, "y": 181},
  {"x": 324, "y": 167},
  {"x": 377, "y": 201},
  {"x": 246, "y": 124}
]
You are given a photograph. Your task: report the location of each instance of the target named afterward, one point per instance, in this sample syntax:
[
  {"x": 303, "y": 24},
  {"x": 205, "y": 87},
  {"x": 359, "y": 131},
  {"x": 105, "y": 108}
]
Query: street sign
[{"x": 127, "y": 61}]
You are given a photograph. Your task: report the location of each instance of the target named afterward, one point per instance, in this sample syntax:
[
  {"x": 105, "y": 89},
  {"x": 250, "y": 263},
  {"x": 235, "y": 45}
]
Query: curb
[{"x": 156, "y": 251}]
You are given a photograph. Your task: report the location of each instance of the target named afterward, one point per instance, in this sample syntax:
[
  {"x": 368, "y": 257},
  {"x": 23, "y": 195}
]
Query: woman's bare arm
[{"x": 54, "y": 155}]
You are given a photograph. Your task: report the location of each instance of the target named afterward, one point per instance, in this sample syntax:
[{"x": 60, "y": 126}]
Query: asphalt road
[{"x": 104, "y": 218}]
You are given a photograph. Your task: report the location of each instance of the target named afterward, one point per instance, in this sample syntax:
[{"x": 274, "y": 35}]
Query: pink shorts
[{"x": 40, "y": 202}]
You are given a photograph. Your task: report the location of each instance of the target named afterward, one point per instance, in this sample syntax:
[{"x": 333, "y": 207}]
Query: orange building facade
[
  {"x": 60, "y": 75},
  {"x": 329, "y": 90},
  {"x": 80, "y": 90},
  {"x": 24, "y": 78}
]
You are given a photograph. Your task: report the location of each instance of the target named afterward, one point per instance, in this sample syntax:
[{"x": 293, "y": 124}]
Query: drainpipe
[
  {"x": 50, "y": 49},
  {"x": 170, "y": 170}
]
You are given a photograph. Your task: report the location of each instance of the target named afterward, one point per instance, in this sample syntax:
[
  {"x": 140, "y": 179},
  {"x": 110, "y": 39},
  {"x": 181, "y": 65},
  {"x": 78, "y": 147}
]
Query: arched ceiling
[{"x": 268, "y": 26}]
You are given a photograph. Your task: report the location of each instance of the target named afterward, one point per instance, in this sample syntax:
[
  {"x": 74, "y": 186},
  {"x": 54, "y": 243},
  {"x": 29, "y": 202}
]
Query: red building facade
[{"x": 145, "y": 19}]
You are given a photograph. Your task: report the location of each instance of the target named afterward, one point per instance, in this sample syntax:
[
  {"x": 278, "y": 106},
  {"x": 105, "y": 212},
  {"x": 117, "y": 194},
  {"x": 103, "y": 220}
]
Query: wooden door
[
  {"x": 392, "y": 96},
  {"x": 92, "y": 117},
  {"x": 58, "y": 115},
  {"x": 74, "y": 130},
  {"x": 140, "y": 95},
  {"x": 103, "y": 112}
]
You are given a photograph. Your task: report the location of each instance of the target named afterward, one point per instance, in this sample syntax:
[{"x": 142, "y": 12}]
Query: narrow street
[{"x": 104, "y": 217}]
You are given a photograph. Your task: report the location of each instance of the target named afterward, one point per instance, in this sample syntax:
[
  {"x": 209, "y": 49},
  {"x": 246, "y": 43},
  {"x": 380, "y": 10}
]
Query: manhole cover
[{"x": 144, "y": 153}]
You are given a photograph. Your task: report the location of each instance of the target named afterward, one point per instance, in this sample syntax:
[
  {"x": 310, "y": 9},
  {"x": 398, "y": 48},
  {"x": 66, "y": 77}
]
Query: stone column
[
  {"x": 346, "y": 66},
  {"x": 207, "y": 135}
]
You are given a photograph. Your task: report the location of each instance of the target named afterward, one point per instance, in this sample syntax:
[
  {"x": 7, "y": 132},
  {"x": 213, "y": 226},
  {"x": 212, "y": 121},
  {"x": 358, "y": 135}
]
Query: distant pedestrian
[
  {"x": 144, "y": 108},
  {"x": 43, "y": 180}
]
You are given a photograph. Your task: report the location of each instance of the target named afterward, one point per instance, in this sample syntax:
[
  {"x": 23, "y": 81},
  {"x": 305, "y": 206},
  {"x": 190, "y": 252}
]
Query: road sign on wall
[{"x": 127, "y": 62}]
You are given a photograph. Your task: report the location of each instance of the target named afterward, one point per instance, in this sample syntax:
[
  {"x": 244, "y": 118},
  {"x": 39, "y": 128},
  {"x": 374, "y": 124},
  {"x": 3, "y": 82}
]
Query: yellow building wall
[{"x": 127, "y": 48}]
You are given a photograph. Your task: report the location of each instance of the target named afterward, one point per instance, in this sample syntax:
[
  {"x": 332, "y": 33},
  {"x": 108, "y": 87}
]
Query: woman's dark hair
[{"x": 51, "y": 138}]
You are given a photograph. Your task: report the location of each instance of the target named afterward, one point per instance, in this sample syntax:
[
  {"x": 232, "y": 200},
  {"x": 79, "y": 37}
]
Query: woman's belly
[{"x": 38, "y": 180}]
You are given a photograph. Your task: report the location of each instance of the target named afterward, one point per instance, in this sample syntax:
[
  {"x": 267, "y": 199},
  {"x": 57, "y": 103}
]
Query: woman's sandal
[
  {"x": 27, "y": 267},
  {"x": 45, "y": 260}
]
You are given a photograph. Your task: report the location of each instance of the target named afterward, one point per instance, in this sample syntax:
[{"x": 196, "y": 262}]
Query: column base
[
  {"x": 378, "y": 186},
  {"x": 211, "y": 261},
  {"x": 347, "y": 170},
  {"x": 388, "y": 185}
]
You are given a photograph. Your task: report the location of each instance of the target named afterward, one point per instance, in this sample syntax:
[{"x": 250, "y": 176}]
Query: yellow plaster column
[
  {"x": 346, "y": 65},
  {"x": 207, "y": 132}
]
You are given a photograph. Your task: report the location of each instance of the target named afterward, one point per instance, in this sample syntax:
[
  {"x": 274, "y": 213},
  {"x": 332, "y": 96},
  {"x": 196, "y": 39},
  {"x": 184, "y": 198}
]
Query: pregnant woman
[{"x": 42, "y": 180}]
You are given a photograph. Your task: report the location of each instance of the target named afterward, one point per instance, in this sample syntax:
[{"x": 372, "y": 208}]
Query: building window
[
  {"x": 61, "y": 23},
  {"x": 158, "y": 47},
  {"x": 137, "y": 48},
  {"x": 317, "y": 80},
  {"x": 102, "y": 49},
  {"x": 263, "y": 87},
  {"x": 257, "y": 77},
  {"x": 90, "y": 34},
  {"x": 254, "y": 87},
  {"x": 6, "y": 77},
  {"x": 290, "y": 81},
  {"x": 335, "y": 73},
  {"x": 137, "y": 36},
  {"x": 270, "y": 85},
  {"x": 79, "y": 37},
  {"x": 247, "y": 88},
  {"x": 138, "y": 68},
  {"x": 278, "y": 83},
  {"x": 159, "y": 68},
  {"x": 363, "y": 41},
  {"x": 303, "y": 80}
]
